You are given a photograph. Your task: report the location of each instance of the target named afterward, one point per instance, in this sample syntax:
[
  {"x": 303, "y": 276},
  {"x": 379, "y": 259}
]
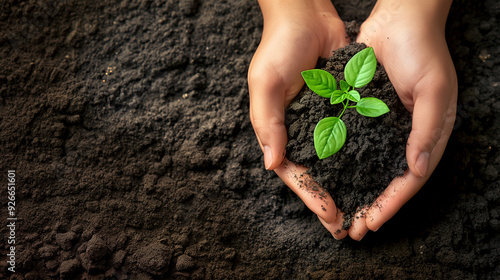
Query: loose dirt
[
  {"x": 127, "y": 124},
  {"x": 374, "y": 152}
]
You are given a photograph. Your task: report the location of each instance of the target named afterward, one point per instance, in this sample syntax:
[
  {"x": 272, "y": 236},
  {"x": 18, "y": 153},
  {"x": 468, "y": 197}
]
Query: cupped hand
[
  {"x": 408, "y": 40},
  {"x": 296, "y": 33},
  {"x": 294, "y": 37}
]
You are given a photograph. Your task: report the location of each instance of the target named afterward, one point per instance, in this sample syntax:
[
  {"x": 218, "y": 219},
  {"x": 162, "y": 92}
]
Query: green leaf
[
  {"x": 320, "y": 81},
  {"x": 337, "y": 97},
  {"x": 344, "y": 86},
  {"x": 353, "y": 95},
  {"x": 371, "y": 107},
  {"x": 329, "y": 136},
  {"x": 360, "y": 69}
]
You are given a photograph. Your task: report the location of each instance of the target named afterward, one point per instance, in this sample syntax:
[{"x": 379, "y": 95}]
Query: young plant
[{"x": 330, "y": 133}]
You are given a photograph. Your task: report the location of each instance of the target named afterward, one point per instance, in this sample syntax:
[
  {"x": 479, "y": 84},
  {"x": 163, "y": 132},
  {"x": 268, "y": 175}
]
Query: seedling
[{"x": 330, "y": 133}]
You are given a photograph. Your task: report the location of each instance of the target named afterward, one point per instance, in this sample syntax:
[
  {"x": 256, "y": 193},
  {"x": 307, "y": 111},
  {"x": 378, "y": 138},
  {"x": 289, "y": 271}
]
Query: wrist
[
  {"x": 272, "y": 8},
  {"x": 432, "y": 13},
  {"x": 315, "y": 18}
]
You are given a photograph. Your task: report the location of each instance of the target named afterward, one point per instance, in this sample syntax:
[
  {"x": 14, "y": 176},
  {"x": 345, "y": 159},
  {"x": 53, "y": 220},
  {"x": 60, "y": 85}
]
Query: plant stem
[{"x": 345, "y": 107}]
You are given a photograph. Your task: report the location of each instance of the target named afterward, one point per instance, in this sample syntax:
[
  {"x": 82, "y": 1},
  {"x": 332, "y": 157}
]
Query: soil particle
[
  {"x": 155, "y": 258},
  {"x": 68, "y": 268},
  {"x": 32, "y": 275},
  {"x": 118, "y": 258},
  {"x": 47, "y": 251},
  {"x": 51, "y": 264},
  {"x": 97, "y": 249},
  {"x": 66, "y": 240},
  {"x": 94, "y": 254},
  {"x": 188, "y": 7},
  {"x": 184, "y": 263}
]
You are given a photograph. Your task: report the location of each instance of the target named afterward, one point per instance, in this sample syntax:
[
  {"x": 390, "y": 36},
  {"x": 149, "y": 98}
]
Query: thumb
[
  {"x": 429, "y": 116},
  {"x": 267, "y": 114}
]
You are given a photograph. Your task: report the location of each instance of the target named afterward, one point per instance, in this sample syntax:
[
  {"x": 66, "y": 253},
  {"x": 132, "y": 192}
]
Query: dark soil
[
  {"x": 374, "y": 151},
  {"x": 127, "y": 124}
]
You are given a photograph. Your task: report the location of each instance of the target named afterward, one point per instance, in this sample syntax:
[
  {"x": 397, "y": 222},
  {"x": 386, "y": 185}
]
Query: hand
[
  {"x": 408, "y": 40},
  {"x": 296, "y": 33}
]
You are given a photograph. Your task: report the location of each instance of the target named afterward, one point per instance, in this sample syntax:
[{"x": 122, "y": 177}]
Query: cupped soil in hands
[{"x": 374, "y": 151}]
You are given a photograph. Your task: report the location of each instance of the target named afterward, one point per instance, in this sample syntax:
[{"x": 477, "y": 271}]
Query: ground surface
[{"x": 127, "y": 125}]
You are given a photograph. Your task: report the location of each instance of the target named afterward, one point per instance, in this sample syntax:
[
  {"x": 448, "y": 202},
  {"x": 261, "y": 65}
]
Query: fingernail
[
  {"x": 422, "y": 164},
  {"x": 268, "y": 157}
]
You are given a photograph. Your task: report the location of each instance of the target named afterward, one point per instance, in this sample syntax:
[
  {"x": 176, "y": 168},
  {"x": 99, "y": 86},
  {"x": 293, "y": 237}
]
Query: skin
[
  {"x": 408, "y": 40},
  {"x": 296, "y": 33}
]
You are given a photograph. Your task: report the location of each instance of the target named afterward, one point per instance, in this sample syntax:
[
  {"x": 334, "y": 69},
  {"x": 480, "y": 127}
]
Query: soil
[
  {"x": 374, "y": 151},
  {"x": 126, "y": 123}
]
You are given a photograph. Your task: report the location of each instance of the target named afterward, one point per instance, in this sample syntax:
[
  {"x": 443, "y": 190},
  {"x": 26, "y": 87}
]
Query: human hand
[
  {"x": 408, "y": 40},
  {"x": 296, "y": 34}
]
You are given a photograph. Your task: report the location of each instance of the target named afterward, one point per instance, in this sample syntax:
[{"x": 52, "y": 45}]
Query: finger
[
  {"x": 314, "y": 197},
  {"x": 267, "y": 105},
  {"x": 335, "y": 228},
  {"x": 431, "y": 111},
  {"x": 359, "y": 228},
  {"x": 399, "y": 191}
]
